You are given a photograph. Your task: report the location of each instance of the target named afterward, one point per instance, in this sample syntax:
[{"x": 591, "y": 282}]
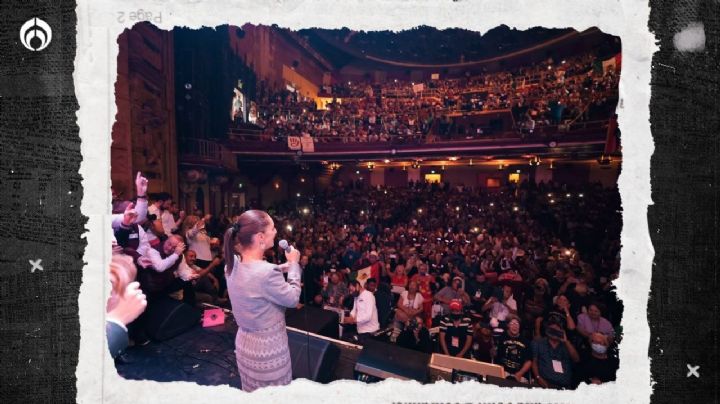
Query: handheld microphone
[{"x": 285, "y": 246}]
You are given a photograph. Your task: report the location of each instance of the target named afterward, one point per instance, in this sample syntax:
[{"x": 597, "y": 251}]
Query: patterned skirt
[{"x": 263, "y": 357}]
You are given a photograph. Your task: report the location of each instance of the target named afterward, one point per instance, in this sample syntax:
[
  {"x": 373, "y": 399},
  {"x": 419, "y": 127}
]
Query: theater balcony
[{"x": 579, "y": 140}]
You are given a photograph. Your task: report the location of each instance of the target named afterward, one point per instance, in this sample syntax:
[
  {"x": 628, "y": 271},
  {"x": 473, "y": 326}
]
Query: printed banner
[{"x": 294, "y": 143}]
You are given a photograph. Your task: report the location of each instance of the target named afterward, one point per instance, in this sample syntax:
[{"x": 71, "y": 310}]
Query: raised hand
[
  {"x": 141, "y": 184},
  {"x": 130, "y": 305},
  {"x": 129, "y": 215},
  {"x": 179, "y": 248}
]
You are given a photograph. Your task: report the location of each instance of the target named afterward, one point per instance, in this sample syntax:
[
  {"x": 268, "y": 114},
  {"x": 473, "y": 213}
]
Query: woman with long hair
[{"x": 259, "y": 295}]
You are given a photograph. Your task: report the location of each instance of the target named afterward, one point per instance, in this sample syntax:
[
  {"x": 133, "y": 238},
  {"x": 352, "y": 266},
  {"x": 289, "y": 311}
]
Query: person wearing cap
[
  {"x": 513, "y": 351},
  {"x": 376, "y": 267},
  {"x": 453, "y": 291},
  {"x": 456, "y": 332}
]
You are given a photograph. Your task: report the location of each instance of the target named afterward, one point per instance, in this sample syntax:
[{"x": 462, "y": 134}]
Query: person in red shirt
[
  {"x": 425, "y": 283},
  {"x": 398, "y": 277}
]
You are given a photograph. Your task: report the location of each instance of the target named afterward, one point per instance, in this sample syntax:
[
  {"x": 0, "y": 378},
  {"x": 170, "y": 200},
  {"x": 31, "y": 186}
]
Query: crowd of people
[
  {"x": 521, "y": 276},
  {"x": 543, "y": 95}
]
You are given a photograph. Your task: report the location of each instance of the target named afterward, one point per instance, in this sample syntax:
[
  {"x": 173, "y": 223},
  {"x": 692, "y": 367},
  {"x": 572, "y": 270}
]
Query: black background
[{"x": 40, "y": 217}]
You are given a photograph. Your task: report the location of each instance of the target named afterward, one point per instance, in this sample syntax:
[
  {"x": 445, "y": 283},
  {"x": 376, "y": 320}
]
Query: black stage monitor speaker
[
  {"x": 315, "y": 320},
  {"x": 166, "y": 318},
  {"x": 316, "y": 363},
  {"x": 379, "y": 360}
]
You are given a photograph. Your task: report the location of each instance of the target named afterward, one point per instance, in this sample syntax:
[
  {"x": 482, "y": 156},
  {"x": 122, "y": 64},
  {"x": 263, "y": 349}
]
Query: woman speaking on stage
[{"x": 259, "y": 295}]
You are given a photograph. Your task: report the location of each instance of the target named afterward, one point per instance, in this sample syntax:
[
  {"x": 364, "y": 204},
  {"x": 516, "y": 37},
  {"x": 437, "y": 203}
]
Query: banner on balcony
[
  {"x": 435, "y": 76},
  {"x": 308, "y": 146},
  {"x": 612, "y": 64},
  {"x": 294, "y": 143},
  {"x": 418, "y": 88}
]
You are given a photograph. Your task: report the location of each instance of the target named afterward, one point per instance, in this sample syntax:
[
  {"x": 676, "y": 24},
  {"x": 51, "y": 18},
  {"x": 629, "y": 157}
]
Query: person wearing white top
[
  {"x": 198, "y": 239},
  {"x": 364, "y": 312},
  {"x": 409, "y": 305}
]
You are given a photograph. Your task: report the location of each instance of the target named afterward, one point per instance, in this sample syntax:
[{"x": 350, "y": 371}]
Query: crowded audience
[
  {"x": 521, "y": 276},
  {"x": 551, "y": 94}
]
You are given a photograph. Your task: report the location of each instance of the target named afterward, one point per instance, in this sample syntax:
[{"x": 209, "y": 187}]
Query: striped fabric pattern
[{"x": 263, "y": 357}]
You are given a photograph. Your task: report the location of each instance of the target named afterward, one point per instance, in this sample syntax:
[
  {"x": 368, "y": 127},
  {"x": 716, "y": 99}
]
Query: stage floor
[{"x": 202, "y": 355}]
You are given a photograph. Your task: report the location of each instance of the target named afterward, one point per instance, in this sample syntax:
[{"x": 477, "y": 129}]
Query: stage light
[
  {"x": 515, "y": 208},
  {"x": 581, "y": 195},
  {"x": 298, "y": 194},
  {"x": 568, "y": 252},
  {"x": 471, "y": 162},
  {"x": 492, "y": 204},
  {"x": 306, "y": 211},
  {"x": 386, "y": 161},
  {"x": 362, "y": 212},
  {"x": 453, "y": 158},
  {"x": 457, "y": 209},
  {"x": 277, "y": 186},
  {"x": 567, "y": 195},
  {"x": 357, "y": 172},
  {"x": 302, "y": 179},
  {"x": 476, "y": 229},
  {"x": 240, "y": 185},
  {"x": 432, "y": 171},
  {"x": 420, "y": 210},
  {"x": 517, "y": 171},
  {"x": 549, "y": 195},
  {"x": 552, "y": 200}
]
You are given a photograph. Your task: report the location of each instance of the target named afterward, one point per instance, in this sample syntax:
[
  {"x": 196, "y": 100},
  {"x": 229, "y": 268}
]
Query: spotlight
[
  {"x": 298, "y": 194},
  {"x": 515, "y": 208},
  {"x": 457, "y": 209},
  {"x": 357, "y": 172},
  {"x": 581, "y": 195},
  {"x": 567, "y": 195},
  {"x": 386, "y": 161}
]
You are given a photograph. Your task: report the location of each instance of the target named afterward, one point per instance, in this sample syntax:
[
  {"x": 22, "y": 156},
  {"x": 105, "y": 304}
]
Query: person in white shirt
[
  {"x": 364, "y": 312},
  {"x": 140, "y": 207},
  {"x": 170, "y": 225},
  {"x": 198, "y": 239}
]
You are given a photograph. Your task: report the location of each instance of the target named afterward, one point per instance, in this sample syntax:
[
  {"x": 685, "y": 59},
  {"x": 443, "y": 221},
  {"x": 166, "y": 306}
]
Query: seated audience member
[
  {"x": 559, "y": 313},
  {"x": 479, "y": 290},
  {"x": 593, "y": 322},
  {"x": 426, "y": 285},
  {"x": 452, "y": 292},
  {"x": 501, "y": 309},
  {"x": 553, "y": 358},
  {"x": 456, "y": 333},
  {"x": 364, "y": 312},
  {"x": 335, "y": 291},
  {"x": 415, "y": 336},
  {"x": 513, "y": 351},
  {"x": 483, "y": 345},
  {"x": 600, "y": 367},
  {"x": 398, "y": 276},
  {"x": 125, "y": 304},
  {"x": 409, "y": 305}
]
